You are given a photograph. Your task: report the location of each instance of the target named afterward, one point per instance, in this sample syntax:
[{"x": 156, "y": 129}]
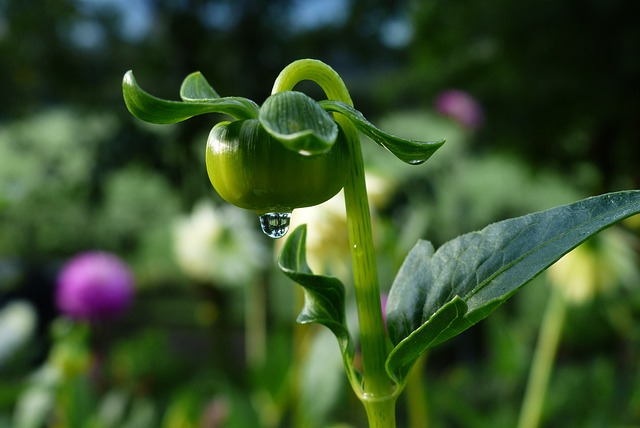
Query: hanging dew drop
[{"x": 275, "y": 225}]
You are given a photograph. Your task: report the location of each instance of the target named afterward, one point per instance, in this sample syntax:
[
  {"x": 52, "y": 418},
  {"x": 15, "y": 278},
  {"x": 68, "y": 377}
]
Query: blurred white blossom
[
  {"x": 221, "y": 245},
  {"x": 17, "y": 325},
  {"x": 327, "y": 234}
]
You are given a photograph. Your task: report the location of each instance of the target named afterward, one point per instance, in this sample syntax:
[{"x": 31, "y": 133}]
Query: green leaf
[
  {"x": 151, "y": 109},
  {"x": 196, "y": 88},
  {"x": 410, "y": 151},
  {"x": 298, "y": 122},
  {"x": 437, "y": 295},
  {"x": 324, "y": 296}
]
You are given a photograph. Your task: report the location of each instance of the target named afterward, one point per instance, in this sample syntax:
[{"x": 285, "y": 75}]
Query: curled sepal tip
[
  {"x": 152, "y": 109},
  {"x": 410, "y": 151},
  {"x": 196, "y": 88},
  {"x": 298, "y": 122}
]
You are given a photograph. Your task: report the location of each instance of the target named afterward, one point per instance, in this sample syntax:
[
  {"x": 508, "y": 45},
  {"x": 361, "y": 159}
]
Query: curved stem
[{"x": 378, "y": 392}]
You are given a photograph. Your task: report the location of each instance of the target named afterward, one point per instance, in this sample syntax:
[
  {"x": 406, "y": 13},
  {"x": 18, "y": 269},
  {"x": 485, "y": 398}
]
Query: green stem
[
  {"x": 417, "y": 406},
  {"x": 377, "y": 392},
  {"x": 543, "y": 359}
]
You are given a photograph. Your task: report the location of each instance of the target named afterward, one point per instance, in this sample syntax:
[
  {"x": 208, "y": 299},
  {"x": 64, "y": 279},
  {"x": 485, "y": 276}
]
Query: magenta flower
[
  {"x": 461, "y": 107},
  {"x": 93, "y": 286}
]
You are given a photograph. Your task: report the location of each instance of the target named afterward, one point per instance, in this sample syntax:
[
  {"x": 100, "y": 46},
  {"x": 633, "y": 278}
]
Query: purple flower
[
  {"x": 94, "y": 285},
  {"x": 461, "y": 107}
]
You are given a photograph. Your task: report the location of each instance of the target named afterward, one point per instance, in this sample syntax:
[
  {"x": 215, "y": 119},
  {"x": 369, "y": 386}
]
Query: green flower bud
[{"x": 252, "y": 170}]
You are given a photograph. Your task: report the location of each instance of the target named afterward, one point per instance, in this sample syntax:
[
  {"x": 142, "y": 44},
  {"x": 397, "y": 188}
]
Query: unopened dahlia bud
[{"x": 93, "y": 286}]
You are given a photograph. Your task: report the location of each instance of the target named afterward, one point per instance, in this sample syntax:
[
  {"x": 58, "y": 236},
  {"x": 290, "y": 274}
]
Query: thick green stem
[
  {"x": 543, "y": 359},
  {"x": 378, "y": 389},
  {"x": 377, "y": 392}
]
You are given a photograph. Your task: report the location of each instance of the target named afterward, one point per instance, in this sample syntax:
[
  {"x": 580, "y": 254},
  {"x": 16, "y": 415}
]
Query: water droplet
[{"x": 275, "y": 225}]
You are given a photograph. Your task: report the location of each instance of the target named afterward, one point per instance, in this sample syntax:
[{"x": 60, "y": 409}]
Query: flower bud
[{"x": 252, "y": 170}]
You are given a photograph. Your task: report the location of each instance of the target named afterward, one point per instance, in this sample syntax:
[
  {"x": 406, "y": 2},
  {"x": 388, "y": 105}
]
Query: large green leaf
[
  {"x": 298, "y": 122},
  {"x": 409, "y": 151},
  {"x": 438, "y": 294},
  {"x": 324, "y": 296},
  {"x": 151, "y": 109}
]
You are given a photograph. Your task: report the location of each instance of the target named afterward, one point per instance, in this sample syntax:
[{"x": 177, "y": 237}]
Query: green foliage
[
  {"x": 324, "y": 295},
  {"x": 155, "y": 110},
  {"x": 136, "y": 204},
  {"x": 196, "y": 88},
  {"x": 61, "y": 191},
  {"x": 298, "y": 122},
  {"x": 47, "y": 164},
  {"x": 291, "y": 117},
  {"x": 410, "y": 151},
  {"x": 437, "y": 295}
]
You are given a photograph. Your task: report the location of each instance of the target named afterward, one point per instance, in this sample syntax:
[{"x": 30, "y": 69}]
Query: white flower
[
  {"x": 220, "y": 245},
  {"x": 327, "y": 247},
  {"x": 17, "y": 324}
]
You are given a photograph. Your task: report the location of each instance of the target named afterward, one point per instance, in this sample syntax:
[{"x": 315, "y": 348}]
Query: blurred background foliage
[{"x": 557, "y": 83}]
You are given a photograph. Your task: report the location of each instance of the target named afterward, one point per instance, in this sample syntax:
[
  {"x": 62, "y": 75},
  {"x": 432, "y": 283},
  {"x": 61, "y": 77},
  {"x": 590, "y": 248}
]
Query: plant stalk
[
  {"x": 543, "y": 359},
  {"x": 416, "y": 393},
  {"x": 378, "y": 393}
]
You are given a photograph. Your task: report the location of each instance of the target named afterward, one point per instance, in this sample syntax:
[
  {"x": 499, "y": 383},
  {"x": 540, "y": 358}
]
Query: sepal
[
  {"x": 413, "y": 152},
  {"x": 152, "y": 109},
  {"x": 298, "y": 122},
  {"x": 196, "y": 88}
]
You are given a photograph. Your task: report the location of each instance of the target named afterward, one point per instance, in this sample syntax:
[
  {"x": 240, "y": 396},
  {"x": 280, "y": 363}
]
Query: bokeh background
[{"x": 538, "y": 101}]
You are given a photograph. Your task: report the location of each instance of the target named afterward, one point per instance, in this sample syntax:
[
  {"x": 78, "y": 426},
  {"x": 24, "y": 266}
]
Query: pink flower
[
  {"x": 94, "y": 285},
  {"x": 461, "y": 107}
]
